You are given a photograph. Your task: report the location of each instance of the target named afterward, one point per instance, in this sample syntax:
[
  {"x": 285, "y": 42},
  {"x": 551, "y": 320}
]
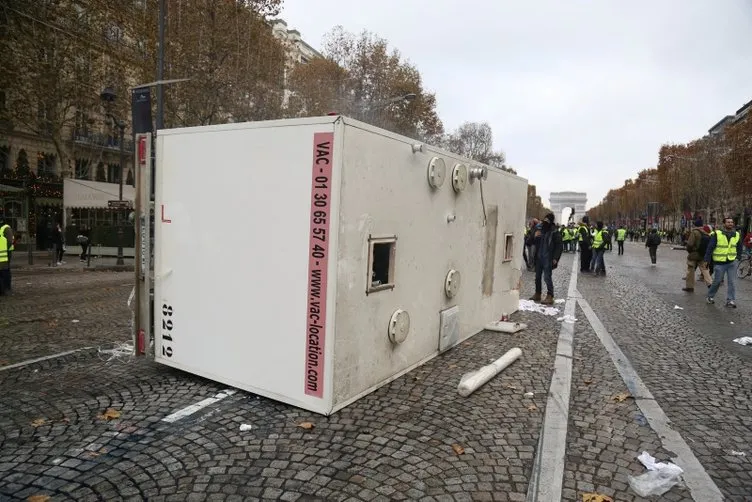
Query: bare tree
[{"x": 474, "y": 140}]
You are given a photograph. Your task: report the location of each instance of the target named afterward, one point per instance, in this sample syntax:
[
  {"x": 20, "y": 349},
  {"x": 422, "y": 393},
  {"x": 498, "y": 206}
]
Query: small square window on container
[
  {"x": 381, "y": 253},
  {"x": 508, "y": 247}
]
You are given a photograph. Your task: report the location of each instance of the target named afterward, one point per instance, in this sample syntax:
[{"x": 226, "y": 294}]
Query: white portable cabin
[{"x": 313, "y": 260}]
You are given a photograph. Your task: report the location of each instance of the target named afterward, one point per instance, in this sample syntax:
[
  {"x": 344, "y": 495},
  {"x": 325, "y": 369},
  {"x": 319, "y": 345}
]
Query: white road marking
[
  {"x": 40, "y": 359},
  {"x": 190, "y": 410},
  {"x": 547, "y": 479},
  {"x": 700, "y": 485}
]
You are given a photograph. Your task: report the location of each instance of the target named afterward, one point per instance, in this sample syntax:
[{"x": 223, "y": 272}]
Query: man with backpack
[{"x": 697, "y": 244}]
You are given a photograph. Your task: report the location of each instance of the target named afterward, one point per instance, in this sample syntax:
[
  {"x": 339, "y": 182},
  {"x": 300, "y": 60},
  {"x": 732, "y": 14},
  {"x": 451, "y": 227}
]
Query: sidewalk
[{"x": 42, "y": 261}]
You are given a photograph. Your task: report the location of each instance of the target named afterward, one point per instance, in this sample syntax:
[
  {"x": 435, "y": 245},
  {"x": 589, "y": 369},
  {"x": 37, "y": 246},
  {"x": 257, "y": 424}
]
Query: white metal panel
[
  {"x": 233, "y": 252},
  {"x": 385, "y": 191}
]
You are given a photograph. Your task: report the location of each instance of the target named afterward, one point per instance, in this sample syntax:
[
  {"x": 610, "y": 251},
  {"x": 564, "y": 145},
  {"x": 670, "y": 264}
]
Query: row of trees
[
  {"x": 58, "y": 56},
  {"x": 710, "y": 176}
]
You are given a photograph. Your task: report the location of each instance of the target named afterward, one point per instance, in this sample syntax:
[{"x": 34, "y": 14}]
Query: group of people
[
  {"x": 57, "y": 243},
  {"x": 715, "y": 252}
]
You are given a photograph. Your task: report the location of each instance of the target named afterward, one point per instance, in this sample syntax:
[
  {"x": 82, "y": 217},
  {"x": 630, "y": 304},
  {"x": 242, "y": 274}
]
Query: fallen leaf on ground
[
  {"x": 65, "y": 419},
  {"x": 596, "y": 497},
  {"x": 459, "y": 450},
  {"x": 510, "y": 386},
  {"x": 452, "y": 366},
  {"x": 306, "y": 425},
  {"x": 109, "y": 414},
  {"x": 622, "y": 396},
  {"x": 588, "y": 381},
  {"x": 38, "y": 422},
  {"x": 38, "y": 498},
  {"x": 532, "y": 407}
]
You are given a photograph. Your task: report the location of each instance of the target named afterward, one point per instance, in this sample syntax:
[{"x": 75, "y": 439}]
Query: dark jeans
[
  {"x": 586, "y": 254},
  {"x": 544, "y": 271},
  {"x": 653, "y": 254},
  {"x": 621, "y": 246},
  {"x": 84, "y": 247}
]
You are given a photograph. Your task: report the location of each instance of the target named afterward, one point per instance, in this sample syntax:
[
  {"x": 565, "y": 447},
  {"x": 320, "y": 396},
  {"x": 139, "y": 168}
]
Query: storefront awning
[
  {"x": 10, "y": 189},
  {"x": 93, "y": 194}
]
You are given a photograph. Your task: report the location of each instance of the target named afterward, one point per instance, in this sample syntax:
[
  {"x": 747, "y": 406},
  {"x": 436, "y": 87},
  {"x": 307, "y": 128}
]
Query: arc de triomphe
[{"x": 574, "y": 200}]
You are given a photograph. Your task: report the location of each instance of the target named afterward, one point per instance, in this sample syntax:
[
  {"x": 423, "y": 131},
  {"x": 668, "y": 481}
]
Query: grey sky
[{"x": 580, "y": 93}]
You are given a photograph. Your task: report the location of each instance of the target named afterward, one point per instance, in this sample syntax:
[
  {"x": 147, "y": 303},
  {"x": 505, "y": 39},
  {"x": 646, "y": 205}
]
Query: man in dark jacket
[
  {"x": 548, "y": 249},
  {"x": 724, "y": 250},
  {"x": 585, "y": 240}
]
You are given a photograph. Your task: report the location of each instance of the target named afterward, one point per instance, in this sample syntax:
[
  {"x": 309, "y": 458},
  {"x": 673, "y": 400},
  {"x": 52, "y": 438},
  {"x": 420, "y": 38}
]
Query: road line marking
[
  {"x": 700, "y": 484},
  {"x": 547, "y": 479},
  {"x": 190, "y": 410},
  {"x": 40, "y": 359}
]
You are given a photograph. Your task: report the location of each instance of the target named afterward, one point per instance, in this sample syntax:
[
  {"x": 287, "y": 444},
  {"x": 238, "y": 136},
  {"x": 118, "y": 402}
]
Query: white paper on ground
[
  {"x": 560, "y": 300},
  {"x": 245, "y": 427},
  {"x": 531, "y": 306},
  {"x": 569, "y": 319},
  {"x": 745, "y": 340},
  {"x": 676, "y": 307},
  {"x": 659, "y": 479},
  {"x": 506, "y": 327}
]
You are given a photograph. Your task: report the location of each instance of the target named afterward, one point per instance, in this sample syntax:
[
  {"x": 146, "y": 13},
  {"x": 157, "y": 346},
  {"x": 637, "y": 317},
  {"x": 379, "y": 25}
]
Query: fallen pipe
[{"x": 470, "y": 382}]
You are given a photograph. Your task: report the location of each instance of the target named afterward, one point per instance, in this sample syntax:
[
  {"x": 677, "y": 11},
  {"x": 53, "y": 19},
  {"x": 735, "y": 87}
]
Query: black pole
[
  {"x": 160, "y": 63},
  {"x": 121, "y": 126}
]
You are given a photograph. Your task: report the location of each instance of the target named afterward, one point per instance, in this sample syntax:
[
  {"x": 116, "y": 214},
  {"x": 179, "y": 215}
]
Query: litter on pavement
[
  {"x": 531, "y": 306},
  {"x": 745, "y": 340},
  {"x": 245, "y": 427},
  {"x": 506, "y": 326},
  {"x": 560, "y": 300},
  {"x": 676, "y": 307},
  {"x": 471, "y": 381},
  {"x": 660, "y": 478},
  {"x": 738, "y": 453},
  {"x": 569, "y": 319}
]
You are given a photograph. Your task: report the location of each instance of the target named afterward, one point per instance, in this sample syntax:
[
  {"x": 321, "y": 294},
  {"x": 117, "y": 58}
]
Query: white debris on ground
[
  {"x": 660, "y": 478},
  {"x": 529, "y": 394},
  {"x": 506, "y": 326},
  {"x": 119, "y": 351},
  {"x": 245, "y": 427},
  {"x": 560, "y": 300},
  {"x": 738, "y": 453},
  {"x": 676, "y": 307},
  {"x": 531, "y": 306},
  {"x": 745, "y": 340},
  {"x": 569, "y": 319}
]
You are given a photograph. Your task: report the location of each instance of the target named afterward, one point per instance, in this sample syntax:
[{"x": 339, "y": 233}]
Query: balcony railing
[{"x": 99, "y": 140}]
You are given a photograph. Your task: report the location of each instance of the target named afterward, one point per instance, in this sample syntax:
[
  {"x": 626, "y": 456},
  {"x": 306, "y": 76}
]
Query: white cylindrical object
[{"x": 470, "y": 384}]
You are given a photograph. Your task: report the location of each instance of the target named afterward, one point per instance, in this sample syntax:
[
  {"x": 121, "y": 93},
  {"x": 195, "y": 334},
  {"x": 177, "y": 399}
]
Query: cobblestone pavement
[
  {"x": 686, "y": 357},
  {"x": 394, "y": 444}
]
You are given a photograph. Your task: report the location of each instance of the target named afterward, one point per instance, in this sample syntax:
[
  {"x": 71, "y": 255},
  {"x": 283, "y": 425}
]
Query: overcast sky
[{"x": 580, "y": 93}]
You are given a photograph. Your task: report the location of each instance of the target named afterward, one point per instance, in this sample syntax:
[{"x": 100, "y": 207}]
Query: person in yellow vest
[
  {"x": 600, "y": 237},
  {"x": 621, "y": 236},
  {"x": 6, "y": 253},
  {"x": 724, "y": 250},
  {"x": 566, "y": 238},
  {"x": 584, "y": 239},
  {"x": 5, "y": 245}
]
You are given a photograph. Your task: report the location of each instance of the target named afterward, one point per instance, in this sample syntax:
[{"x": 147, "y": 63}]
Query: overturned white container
[{"x": 313, "y": 260}]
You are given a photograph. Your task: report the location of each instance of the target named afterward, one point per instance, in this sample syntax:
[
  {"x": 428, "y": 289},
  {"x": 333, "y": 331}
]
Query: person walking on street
[
  {"x": 6, "y": 253},
  {"x": 652, "y": 242},
  {"x": 600, "y": 238},
  {"x": 83, "y": 239},
  {"x": 584, "y": 239},
  {"x": 58, "y": 240},
  {"x": 621, "y": 236},
  {"x": 548, "y": 249},
  {"x": 724, "y": 250},
  {"x": 697, "y": 245}
]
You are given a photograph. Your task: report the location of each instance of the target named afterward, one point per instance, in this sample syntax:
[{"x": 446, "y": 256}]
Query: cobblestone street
[{"x": 402, "y": 441}]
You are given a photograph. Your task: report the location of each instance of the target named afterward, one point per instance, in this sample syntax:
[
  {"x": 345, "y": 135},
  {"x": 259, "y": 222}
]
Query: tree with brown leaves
[{"x": 361, "y": 77}]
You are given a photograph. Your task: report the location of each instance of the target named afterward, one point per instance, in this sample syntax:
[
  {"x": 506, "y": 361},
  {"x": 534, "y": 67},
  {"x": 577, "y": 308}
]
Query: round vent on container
[
  {"x": 436, "y": 172},
  {"x": 459, "y": 177},
  {"x": 399, "y": 326},
  {"x": 452, "y": 283}
]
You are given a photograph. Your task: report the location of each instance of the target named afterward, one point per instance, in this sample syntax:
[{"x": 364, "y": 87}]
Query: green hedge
[{"x": 105, "y": 236}]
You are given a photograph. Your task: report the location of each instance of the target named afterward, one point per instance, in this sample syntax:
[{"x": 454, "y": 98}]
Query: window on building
[
  {"x": 82, "y": 169},
  {"x": 101, "y": 174},
  {"x": 82, "y": 124},
  {"x": 381, "y": 256},
  {"x": 5, "y": 168},
  {"x": 113, "y": 173},
  {"x": 46, "y": 164}
]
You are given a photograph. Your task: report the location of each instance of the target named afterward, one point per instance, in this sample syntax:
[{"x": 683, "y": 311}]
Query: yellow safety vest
[
  {"x": 3, "y": 249},
  {"x": 598, "y": 241},
  {"x": 579, "y": 232},
  {"x": 621, "y": 234},
  {"x": 725, "y": 250},
  {"x": 2, "y": 232},
  {"x": 565, "y": 235}
]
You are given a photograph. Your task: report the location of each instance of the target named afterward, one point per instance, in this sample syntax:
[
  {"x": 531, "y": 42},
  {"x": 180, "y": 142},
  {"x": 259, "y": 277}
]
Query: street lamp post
[{"x": 108, "y": 96}]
